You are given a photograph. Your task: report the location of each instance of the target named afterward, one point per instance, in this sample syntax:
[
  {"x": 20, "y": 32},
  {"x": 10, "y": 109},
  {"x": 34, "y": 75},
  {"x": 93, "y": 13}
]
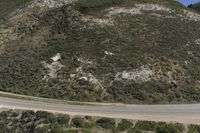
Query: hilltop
[
  {"x": 195, "y": 6},
  {"x": 129, "y": 51}
]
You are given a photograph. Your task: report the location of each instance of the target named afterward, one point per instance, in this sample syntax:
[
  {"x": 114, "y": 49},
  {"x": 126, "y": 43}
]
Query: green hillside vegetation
[
  {"x": 43, "y": 122},
  {"x": 94, "y": 7},
  {"x": 157, "y": 46},
  {"x": 9, "y": 6},
  {"x": 195, "y": 6}
]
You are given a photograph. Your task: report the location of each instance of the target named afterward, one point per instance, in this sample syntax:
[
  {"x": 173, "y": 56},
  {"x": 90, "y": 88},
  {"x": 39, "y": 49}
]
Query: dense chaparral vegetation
[
  {"x": 129, "y": 51},
  {"x": 44, "y": 122}
]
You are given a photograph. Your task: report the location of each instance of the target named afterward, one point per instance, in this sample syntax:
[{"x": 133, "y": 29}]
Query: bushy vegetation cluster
[
  {"x": 195, "y": 6},
  {"x": 99, "y": 4},
  {"x": 165, "y": 43},
  {"x": 95, "y": 7},
  {"x": 43, "y": 122},
  {"x": 9, "y": 6}
]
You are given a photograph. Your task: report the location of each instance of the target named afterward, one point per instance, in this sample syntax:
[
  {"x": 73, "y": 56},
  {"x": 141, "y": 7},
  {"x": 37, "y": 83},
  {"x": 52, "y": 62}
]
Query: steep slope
[
  {"x": 195, "y": 6},
  {"x": 10, "y": 6},
  {"x": 129, "y": 51}
]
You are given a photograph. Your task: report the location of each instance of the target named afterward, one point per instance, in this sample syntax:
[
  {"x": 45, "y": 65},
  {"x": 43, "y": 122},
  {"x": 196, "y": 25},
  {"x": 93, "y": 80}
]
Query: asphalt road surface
[{"x": 185, "y": 113}]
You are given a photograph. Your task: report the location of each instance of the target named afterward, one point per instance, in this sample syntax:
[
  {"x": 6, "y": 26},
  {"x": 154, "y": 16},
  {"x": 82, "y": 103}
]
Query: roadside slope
[{"x": 110, "y": 51}]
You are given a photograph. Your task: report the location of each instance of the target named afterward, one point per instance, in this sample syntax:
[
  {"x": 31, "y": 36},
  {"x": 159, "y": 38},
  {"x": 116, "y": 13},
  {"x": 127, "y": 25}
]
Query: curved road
[{"x": 186, "y": 113}]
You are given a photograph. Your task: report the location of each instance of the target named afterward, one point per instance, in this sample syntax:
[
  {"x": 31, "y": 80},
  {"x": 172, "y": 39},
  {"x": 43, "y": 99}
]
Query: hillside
[
  {"x": 9, "y": 7},
  {"x": 195, "y": 6},
  {"x": 129, "y": 51}
]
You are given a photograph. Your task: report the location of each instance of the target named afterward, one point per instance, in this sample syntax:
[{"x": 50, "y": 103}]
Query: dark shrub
[
  {"x": 145, "y": 125},
  {"x": 78, "y": 122},
  {"x": 106, "y": 123},
  {"x": 124, "y": 125}
]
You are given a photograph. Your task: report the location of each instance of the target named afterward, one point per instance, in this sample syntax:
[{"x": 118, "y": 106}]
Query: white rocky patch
[
  {"x": 83, "y": 78},
  {"x": 97, "y": 21},
  {"x": 190, "y": 53},
  {"x": 84, "y": 61},
  {"x": 3, "y": 38},
  {"x": 118, "y": 10},
  {"x": 86, "y": 77},
  {"x": 81, "y": 75},
  {"x": 72, "y": 75},
  {"x": 137, "y": 9},
  {"x": 50, "y": 3},
  {"x": 53, "y": 67},
  {"x": 94, "y": 80},
  {"x": 170, "y": 78},
  {"x": 57, "y": 57},
  {"x": 162, "y": 16},
  {"x": 197, "y": 41},
  {"x": 156, "y": 15},
  {"x": 153, "y": 7},
  {"x": 186, "y": 62},
  {"x": 189, "y": 15},
  {"x": 198, "y": 83},
  {"x": 109, "y": 53},
  {"x": 6, "y": 35},
  {"x": 143, "y": 74}
]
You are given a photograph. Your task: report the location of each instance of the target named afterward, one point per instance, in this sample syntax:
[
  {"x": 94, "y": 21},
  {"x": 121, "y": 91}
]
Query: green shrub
[
  {"x": 163, "y": 127},
  {"x": 145, "y": 125},
  {"x": 92, "y": 4},
  {"x": 27, "y": 122},
  {"x": 56, "y": 128},
  {"x": 87, "y": 5},
  {"x": 63, "y": 119},
  {"x": 133, "y": 130},
  {"x": 9, "y": 6},
  {"x": 78, "y": 122},
  {"x": 124, "y": 125},
  {"x": 48, "y": 117},
  {"x": 72, "y": 131},
  {"x": 194, "y": 129},
  {"x": 106, "y": 123},
  {"x": 43, "y": 129},
  {"x": 85, "y": 131},
  {"x": 89, "y": 118}
]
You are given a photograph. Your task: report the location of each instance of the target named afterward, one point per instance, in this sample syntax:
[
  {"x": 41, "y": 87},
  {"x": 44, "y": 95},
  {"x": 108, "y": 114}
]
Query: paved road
[{"x": 186, "y": 113}]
